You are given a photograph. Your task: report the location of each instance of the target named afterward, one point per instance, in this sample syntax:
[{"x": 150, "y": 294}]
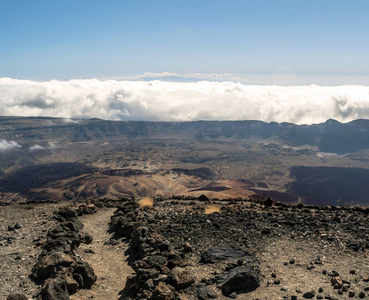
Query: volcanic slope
[{"x": 47, "y": 158}]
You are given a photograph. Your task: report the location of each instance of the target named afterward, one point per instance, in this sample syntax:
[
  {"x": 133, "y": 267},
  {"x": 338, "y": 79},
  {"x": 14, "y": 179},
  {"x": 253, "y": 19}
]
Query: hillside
[{"x": 331, "y": 136}]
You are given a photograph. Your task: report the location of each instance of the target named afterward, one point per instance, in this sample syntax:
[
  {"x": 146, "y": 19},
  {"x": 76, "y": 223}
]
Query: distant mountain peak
[{"x": 332, "y": 122}]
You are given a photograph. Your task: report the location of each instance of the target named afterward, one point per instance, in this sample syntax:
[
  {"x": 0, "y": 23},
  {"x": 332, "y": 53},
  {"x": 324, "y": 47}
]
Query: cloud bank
[
  {"x": 159, "y": 100},
  {"x": 39, "y": 147},
  {"x": 184, "y": 77},
  {"x": 8, "y": 145}
]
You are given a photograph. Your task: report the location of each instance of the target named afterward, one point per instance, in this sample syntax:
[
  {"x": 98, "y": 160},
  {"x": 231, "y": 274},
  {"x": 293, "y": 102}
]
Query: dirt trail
[{"x": 108, "y": 261}]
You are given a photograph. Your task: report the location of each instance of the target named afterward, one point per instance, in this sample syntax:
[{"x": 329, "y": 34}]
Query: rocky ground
[
  {"x": 251, "y": 249},
  {"x": 22, "y": 230}
]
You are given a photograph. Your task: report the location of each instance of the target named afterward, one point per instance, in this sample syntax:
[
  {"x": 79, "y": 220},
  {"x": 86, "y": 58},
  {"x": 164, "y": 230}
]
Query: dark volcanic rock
[
  {"x": 87, "y": 273},
  {"x": 268, "y": 202},
  {"x": 54, "y": 289},
  {"x": 202, "y": 292},
  {"x": 61, "y": 270},
  {"x": 46, "y": 266},
  {"x": 156, "y": 260},
  {"x": 163, "y": 292},
  {"x": 17, "y": 297},
  {"x": 214, "y": 255},
  {"x": 180, "y": 278},
  {"x": 72, "y": 284},
  {"x": 309, "y": 295},
  {"x": 241, "y": 279},
  {"x": 86, "y": 238},
  {"x": 203, "y": 198}
]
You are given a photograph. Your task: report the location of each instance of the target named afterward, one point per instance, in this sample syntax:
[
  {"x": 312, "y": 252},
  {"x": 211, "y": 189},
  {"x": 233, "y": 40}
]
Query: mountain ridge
[
  {"x": 330, "y": 136},
  {"x": 45, "y": 158}
]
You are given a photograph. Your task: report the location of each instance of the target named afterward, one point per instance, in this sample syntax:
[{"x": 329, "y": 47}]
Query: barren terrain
[
  {"x": 294, "y": 249},
  {"x": 49, "y": 159}
]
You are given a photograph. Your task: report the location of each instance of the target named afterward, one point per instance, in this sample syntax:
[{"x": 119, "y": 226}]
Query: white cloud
[
  {"x": 8, "y": 145},
  {"x": 49, "y": 123},
  {"x": 70, "y": 121},
  {"x": 39, "y": 147},
  {"x": 180, "y": 77},
  {"x": 182, "y": 101},
  {"x": 36, "y": 147}
]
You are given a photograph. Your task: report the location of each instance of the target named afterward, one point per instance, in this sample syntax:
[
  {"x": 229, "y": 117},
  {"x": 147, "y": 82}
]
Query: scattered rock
[
  {"x": 336, "y": 282},
  {"x": 86, "y": 238},
  {"x": 309, "y": 295},
  {"x": 361, "y": 295}
]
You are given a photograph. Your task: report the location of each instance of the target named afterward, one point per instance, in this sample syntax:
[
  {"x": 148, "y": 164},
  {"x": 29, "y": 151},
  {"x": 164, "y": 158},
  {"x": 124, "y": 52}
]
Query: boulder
[
  {"x": 163, "y": 292},
  {"x": 131, "y": 282},
  {"x": 46, "y": 266},
  {"x": 156, "y": 260},
  {"x": 66, "y": 213},
  {"x": 240, "y": 279},
  {"x": 180, "y": 278},
  {"x": 69, "y": 225},
  {"x": 62, "y": 240},
  {"x": 54, "y": 289},
  {"x": 206, "y": 292},
  {"x": 214, "y": 255},
  {"x": 145, "y": 274},
  {"x": 72, "y": 284},
  {"x": 87, "y": 273}
]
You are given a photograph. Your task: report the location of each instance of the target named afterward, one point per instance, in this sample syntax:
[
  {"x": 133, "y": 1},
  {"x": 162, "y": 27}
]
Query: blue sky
[{"x": 318, "y": 41}]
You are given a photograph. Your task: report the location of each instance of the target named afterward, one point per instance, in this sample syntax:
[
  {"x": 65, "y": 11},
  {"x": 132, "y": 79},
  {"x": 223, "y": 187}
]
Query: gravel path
[{"x": 107, "y": 260}]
